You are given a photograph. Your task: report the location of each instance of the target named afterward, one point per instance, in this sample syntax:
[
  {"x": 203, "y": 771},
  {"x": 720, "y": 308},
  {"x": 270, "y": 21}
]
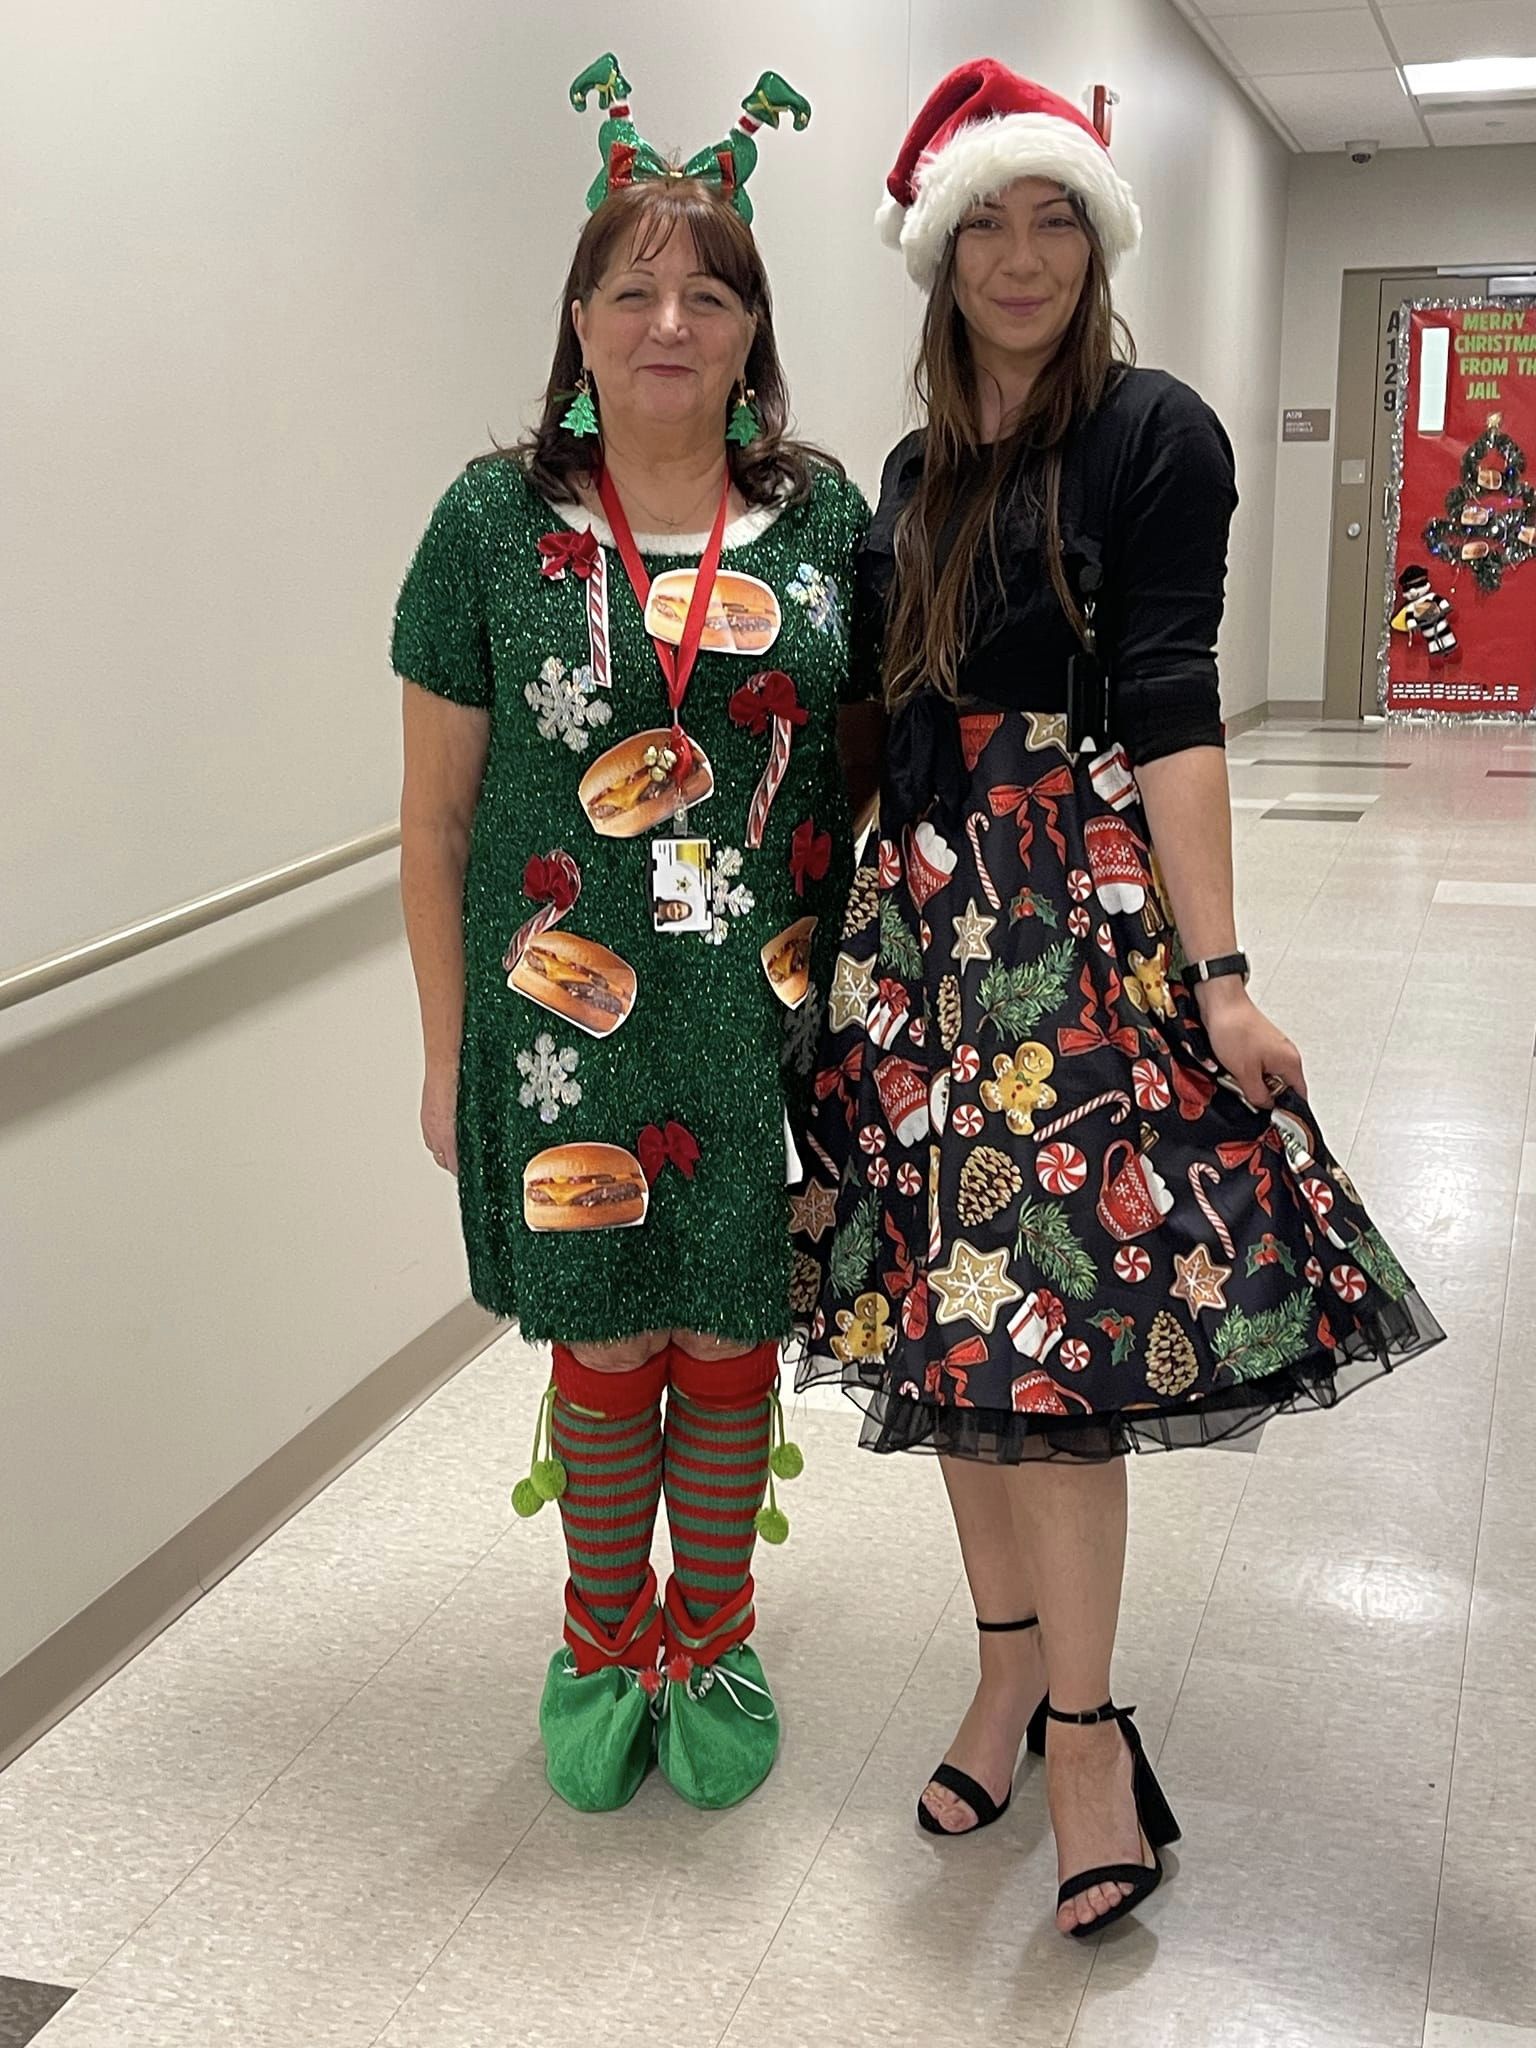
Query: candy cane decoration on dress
[
  {"x": 1113, "y": 1096},
  {"x": 768, "y": 701},
  {"x": 988, "y": 886},
  {"x": 553, "y": 880},
  {"x": 1197, "y": 1174},
  {"x": 597, "y": 621}
]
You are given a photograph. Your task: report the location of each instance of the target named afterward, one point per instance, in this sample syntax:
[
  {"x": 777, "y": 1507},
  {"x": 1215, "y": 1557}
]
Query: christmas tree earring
[
  {"x": 745, "y": 426},
  {"x": 581, "y": 414}
]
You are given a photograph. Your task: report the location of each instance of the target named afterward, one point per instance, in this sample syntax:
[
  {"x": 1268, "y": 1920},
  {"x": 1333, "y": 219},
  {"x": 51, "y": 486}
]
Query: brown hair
[
  {"x": 926, "y": 633},
  {"x": 774, "y": 469}
]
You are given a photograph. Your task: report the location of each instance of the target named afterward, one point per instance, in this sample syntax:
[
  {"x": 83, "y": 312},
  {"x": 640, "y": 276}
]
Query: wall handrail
[{"x": 75, "y": 962}]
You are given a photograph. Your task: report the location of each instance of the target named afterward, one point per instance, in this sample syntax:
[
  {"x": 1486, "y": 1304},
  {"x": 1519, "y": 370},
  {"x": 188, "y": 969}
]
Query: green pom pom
[
  {"x": 773, "y": 1525},
  {"x": 787, "y": 1461},
  {"x": 548, "y": 1479},
  {"x": 526, "y": 1499}
]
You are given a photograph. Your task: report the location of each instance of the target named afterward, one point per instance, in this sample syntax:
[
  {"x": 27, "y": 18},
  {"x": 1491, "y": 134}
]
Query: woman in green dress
[{"x": 625, "y": 835}]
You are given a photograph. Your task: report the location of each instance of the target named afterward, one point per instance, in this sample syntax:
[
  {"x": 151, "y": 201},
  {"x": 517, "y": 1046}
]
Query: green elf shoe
[
  {"x": 717, "y": 1725},
  {"x": 595, "y": 1716}
]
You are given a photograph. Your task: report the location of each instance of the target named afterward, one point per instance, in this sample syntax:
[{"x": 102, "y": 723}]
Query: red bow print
[
  {"x": 552, "y": 878},
  {"x": 770, "y": 694},
  {"x": 1047, "y": 792},
  {"x": 1098, "y": 1021},
  {"x": 841, "y": 1079},
  {"x": 566, "y": 550},
  {"x": 676, "y": 1146},
  {"x": 810, "y": 854}
]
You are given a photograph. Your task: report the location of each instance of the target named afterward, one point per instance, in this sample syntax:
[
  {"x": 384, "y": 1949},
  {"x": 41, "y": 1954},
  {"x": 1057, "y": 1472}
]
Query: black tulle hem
[{"x": 1400, "y": 1331}]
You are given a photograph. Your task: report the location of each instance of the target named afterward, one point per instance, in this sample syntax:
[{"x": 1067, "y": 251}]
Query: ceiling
[{"x": 1327, "y": 72}]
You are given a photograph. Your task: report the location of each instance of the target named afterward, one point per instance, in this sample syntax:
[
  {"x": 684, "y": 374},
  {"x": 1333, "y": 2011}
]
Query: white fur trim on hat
[{"x": 986, "y": 157}]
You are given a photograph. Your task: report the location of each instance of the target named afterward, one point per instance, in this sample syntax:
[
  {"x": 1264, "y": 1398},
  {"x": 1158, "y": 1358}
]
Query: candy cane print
[
  {"x": 559, "y": 883},
  {"x": 597, "y": 621},
  {"x": 988, "y": 888},
  {"x": 773, "y": 775},
  {"x": 1197, "y": 1174},
  {"x": 1114, "y": 1096}
]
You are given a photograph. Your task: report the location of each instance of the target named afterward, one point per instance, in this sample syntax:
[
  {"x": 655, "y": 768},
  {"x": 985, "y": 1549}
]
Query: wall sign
[{"x": 1306, "y": 423}]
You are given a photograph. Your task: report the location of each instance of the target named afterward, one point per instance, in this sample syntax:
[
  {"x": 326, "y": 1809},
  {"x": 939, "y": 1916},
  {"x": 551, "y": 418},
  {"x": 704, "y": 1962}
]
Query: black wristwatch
[{"x": 1215, "y": 970}]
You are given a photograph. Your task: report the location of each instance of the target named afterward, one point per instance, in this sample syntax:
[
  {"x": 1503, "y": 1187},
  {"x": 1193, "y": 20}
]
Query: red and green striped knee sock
[
  {"x": 718, "y": 1437},
  {"x": 606, "y": 1429}
]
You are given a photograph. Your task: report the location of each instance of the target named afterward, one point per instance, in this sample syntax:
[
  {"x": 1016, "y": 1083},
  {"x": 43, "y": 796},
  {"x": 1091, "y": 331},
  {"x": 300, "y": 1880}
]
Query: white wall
[
  {"x": 1417, "y": 208},
  {"x": 273, "y": 273}
]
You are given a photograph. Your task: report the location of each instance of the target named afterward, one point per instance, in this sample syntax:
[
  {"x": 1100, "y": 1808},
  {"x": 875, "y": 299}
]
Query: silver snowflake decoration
[
  {"x": 567, "y": 704},
  {"x": 729, "y": 896},
  {"x": 819, "y": 596},
  {"x": 548, "y": 1077},
  {"x": 802, "y": 1035}
]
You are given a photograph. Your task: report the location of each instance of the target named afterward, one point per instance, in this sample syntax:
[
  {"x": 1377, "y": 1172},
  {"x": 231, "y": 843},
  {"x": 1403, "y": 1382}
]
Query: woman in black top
[{"x": 1066, "y": 1198}]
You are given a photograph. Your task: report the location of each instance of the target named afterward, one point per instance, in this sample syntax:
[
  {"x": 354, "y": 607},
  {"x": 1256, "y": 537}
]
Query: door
[{"x": 1370, "y": 363}]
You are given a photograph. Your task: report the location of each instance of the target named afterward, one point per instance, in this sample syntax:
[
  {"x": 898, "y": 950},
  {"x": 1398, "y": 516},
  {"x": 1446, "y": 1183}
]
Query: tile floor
[{"x": 312, "y": 1815}]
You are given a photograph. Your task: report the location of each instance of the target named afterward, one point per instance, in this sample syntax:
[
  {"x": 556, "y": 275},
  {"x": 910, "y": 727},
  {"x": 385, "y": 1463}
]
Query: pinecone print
[
  {"x": 989, "y": 1180},
  {"x": 1172, "y": 1367},
  {"x": 863, "y": 903},
  {"x": 949, "y": 1012},
  {"x": 804, "y": 1284}
]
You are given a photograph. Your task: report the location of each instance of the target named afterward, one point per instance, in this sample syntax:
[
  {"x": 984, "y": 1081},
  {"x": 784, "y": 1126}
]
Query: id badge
[{"x": 680, "y": 885}]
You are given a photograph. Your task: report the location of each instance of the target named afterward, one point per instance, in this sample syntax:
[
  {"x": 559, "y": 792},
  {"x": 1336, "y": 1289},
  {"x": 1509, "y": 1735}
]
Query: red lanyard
[{"x": 676, "y": 662}]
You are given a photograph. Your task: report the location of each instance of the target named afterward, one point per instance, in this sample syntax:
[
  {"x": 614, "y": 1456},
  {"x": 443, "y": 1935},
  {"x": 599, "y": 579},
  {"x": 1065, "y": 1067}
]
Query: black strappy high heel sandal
[
  {"x": 1153, "y": 1814},
  {"x": 961, "y": 1783}
]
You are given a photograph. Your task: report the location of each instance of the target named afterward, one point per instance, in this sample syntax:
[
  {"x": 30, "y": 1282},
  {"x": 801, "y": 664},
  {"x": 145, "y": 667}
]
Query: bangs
[{"x": 639, "y": 222}]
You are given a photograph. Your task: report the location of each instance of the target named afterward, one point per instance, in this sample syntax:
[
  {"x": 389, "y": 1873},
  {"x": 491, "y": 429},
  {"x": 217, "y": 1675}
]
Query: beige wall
[
  {"x": 272, "y": 274},
  {"x": 1414, "y": 207}
]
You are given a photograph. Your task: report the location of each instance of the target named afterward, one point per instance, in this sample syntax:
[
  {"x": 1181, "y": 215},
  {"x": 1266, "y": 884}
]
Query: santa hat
[{"x": 982, "y": 128}]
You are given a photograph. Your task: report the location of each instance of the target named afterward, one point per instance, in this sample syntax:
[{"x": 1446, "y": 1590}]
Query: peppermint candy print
[
  {"x": 1348, "y": 1283},
  {"x": 1079, "y": 923},
  {"x": 966, "y": 1063},
  {"x": 1132, "y": 1265},
  {"x": 1060, "y": 1169},
  {"x": 872, "y": 1138},
  {"x": 1313, "y": 1271},
  {"x": 968, "y": 1120},
  {"x": 1075, "y": 1355},
  {"x": 1079, "y": 885},
  {"x": 908, "y": 1180},
  {"x": 888, "y": 869},
  {"x": 878, "y": 1172},
  {"x": 1150, "y": 1085}
]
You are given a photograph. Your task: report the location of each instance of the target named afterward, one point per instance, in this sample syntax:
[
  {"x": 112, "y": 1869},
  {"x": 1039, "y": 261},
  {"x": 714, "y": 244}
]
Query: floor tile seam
[
  {"x": 469, "y": 1911},
  {"x": 805, "y": 1876},
  {"x": 1466, "y": 1647},
  {"x": 250, "y": 1806}
]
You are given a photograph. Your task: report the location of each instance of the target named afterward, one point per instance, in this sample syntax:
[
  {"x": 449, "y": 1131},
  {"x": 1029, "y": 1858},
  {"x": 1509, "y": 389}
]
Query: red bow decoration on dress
[
  {"x": 1047, "y": 793},
  {"x": 552, "y": 878},
  {"x": 842, "y": 1079},
  {"x": 770, "y": 694},
  {"x": 1098, "y": 1026},
  {"x": 675, "y": 1145},
  {"x": 567, "y": 550},
  {"x": 810, "y": 854}
]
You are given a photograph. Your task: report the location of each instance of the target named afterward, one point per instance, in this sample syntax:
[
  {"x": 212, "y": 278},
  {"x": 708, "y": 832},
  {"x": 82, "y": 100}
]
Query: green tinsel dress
[{"x": 708, "y": 1045}]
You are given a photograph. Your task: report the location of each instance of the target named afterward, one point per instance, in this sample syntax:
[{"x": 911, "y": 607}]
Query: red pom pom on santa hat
[{"x": 983, "y": 127}]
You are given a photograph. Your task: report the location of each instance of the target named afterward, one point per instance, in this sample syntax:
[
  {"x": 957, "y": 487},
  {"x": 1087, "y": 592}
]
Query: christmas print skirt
[{"x": 1038, "y": 1219}]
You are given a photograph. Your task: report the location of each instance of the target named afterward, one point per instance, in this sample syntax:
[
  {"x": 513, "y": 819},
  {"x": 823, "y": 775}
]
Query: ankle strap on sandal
[
  {"x": 1108, "y": 1712},
  {"x": 1006, "y": 1628}
]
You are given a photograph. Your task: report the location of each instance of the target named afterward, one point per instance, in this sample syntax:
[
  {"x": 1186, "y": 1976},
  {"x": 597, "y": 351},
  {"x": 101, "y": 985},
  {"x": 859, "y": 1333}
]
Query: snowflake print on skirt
[
  {"x": 729, "y": 896},
  {"x": 567, "y": 704},
  {"x": 549, "y": 1077},
  {"x": 1177, "y": 1222},
  {"x": 818, "y": 594}
]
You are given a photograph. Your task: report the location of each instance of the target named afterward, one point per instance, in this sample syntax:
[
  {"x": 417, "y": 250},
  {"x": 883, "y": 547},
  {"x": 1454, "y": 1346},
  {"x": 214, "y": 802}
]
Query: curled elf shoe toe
[
  {"x": 717, "y": 1728},
  {"x": 596, "y": 1713}
]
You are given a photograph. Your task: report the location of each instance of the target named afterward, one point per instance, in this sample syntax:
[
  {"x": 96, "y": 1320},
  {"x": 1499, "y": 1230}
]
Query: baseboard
[
  {"x": 1275, "y": 707},
  {"x": 53, "y": 1679}
]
